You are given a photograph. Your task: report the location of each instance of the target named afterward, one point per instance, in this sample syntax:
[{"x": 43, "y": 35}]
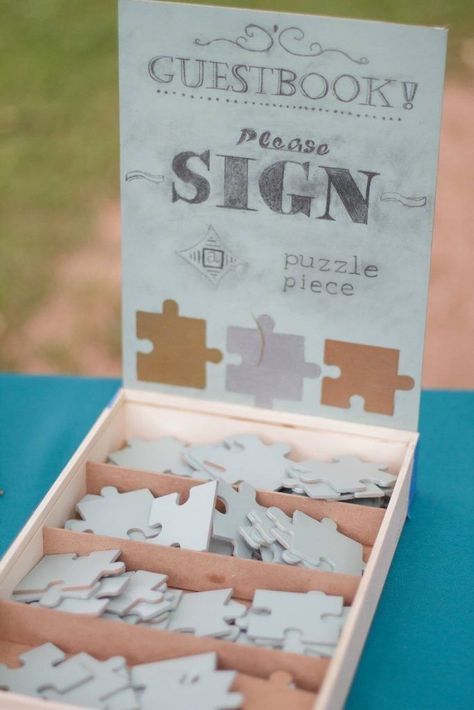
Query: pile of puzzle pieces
[
  {"x": 98, "y": 585},
  {"x": 245, "y": 528},
  {"x": 174, "y": 684},
  {"x": 265, "y": 466}
]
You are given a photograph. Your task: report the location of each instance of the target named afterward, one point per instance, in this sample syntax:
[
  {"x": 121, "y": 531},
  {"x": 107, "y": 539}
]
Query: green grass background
[{"x": 59, "y": 126}]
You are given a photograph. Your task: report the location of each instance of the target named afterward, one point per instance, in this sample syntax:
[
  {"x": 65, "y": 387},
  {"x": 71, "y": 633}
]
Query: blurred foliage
[
  {"x": 58, "y": 140},
  {"x": 59, "y": 126}
]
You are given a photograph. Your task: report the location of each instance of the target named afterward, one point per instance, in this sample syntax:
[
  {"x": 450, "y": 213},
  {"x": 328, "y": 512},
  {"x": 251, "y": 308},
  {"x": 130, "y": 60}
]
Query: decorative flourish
[
  {"x": 403, "y": 199},
  {"x": 314, "y": 49},
  {"x": 252, "y": 34},
  {"x": 291, "y": 39},
  {"x": 141, "y": 175}
]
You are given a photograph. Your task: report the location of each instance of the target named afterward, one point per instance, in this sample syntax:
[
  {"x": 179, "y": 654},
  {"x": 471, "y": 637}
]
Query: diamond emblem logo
[{"x": 210, "y": 257}]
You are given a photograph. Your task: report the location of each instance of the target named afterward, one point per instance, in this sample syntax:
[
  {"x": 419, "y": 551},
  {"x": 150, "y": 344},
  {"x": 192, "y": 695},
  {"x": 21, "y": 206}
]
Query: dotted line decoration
[{"x": 321, "y": 109}]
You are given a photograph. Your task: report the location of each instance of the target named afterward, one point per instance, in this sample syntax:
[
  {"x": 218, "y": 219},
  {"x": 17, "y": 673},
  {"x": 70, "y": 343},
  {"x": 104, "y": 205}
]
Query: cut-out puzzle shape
[
  {"x": 369, "y": 371},
  {"x": 43, "y": 667},
  {"x": 115, "y": 514},
  {"x": 55, "y": 577},
  {"x": 341, "y": 479},
  {"x": 188, "y": 525},
  {"x": 243, "y": 458},
  {"x": 273, "y": 364},
  {"x": 164, "y": 455},
  {"x": 179, "y": 353}
]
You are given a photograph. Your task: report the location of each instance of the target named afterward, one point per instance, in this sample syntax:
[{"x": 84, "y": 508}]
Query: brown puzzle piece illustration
[
  {"x": 366, "y": 370},
  {"x": 179, "y": 354}
]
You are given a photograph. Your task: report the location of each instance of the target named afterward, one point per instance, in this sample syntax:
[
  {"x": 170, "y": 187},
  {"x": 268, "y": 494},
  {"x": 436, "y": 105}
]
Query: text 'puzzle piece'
[
  {"x": 273, "y": 364},
  {"x": 179, "y": 352},
  {"x": 369, "y": 371}
]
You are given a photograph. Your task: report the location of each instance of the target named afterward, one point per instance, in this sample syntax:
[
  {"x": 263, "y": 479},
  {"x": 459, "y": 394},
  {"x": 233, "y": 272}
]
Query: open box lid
[{"x": 278, "y": 186}]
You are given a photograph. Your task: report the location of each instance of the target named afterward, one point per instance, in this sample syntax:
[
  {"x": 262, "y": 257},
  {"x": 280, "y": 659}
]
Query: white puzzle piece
[
  {"x": 274, "y": 613},
  {"x": 43, "y": 667},
  {"x": 243, "y": 458},
  {"x": 57, "y": 576},
  {"x": 345, "y": 477},
  {"x": 164, "y": 455},
  {"x": 238, "y": 503},
  {"x": 316, "y": 542},
  {"x": 184, "y": 683},
  {"x": 206, "y": 613},
  {"x": 188, "y": 525},
  {"x": 209, "y": 691},
  {"x": 90, "y": 607},
  {"x": 108, "y": 678},
  {"x": 115, "y": 514},
  {"x": 142, "y": 587}
]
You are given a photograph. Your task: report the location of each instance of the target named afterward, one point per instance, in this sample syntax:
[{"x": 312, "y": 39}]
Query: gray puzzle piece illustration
[
  {"x": 164, "y": 455},
  {"x": 115, "y": 514},
  {"x": 188, "y": 525},
  {"x": 226, "y": 524},
  {"x": 315, "y": 542},
  {"x": 55, "y": 577},
  {"x": 43, "y": 667},
  {"x": 243, "y": 458},
  {"x": 206, "y": 613},
  {"x": 107, "y": 678},
  {"x": 273, "y": 364}
]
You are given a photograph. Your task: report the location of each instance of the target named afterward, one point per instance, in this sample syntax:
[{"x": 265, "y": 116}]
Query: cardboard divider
[
  {"x": 25, "y": 625},
  {"x": 359, "y": 522},
  {"x": 199, "y": 571}
]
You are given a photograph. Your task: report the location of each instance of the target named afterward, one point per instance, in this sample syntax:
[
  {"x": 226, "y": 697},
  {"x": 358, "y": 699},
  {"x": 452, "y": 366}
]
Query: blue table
[{"x": 419, "y": 654}]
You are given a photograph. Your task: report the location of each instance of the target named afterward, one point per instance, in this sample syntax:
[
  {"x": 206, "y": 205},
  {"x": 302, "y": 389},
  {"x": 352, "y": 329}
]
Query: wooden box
[
  {"x": 134, "y": 413},
  {"x": 204, "y": 404}
]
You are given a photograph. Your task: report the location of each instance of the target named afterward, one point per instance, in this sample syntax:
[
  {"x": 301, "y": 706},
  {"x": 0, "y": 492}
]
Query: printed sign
[{"x": 278, "y": 186}]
